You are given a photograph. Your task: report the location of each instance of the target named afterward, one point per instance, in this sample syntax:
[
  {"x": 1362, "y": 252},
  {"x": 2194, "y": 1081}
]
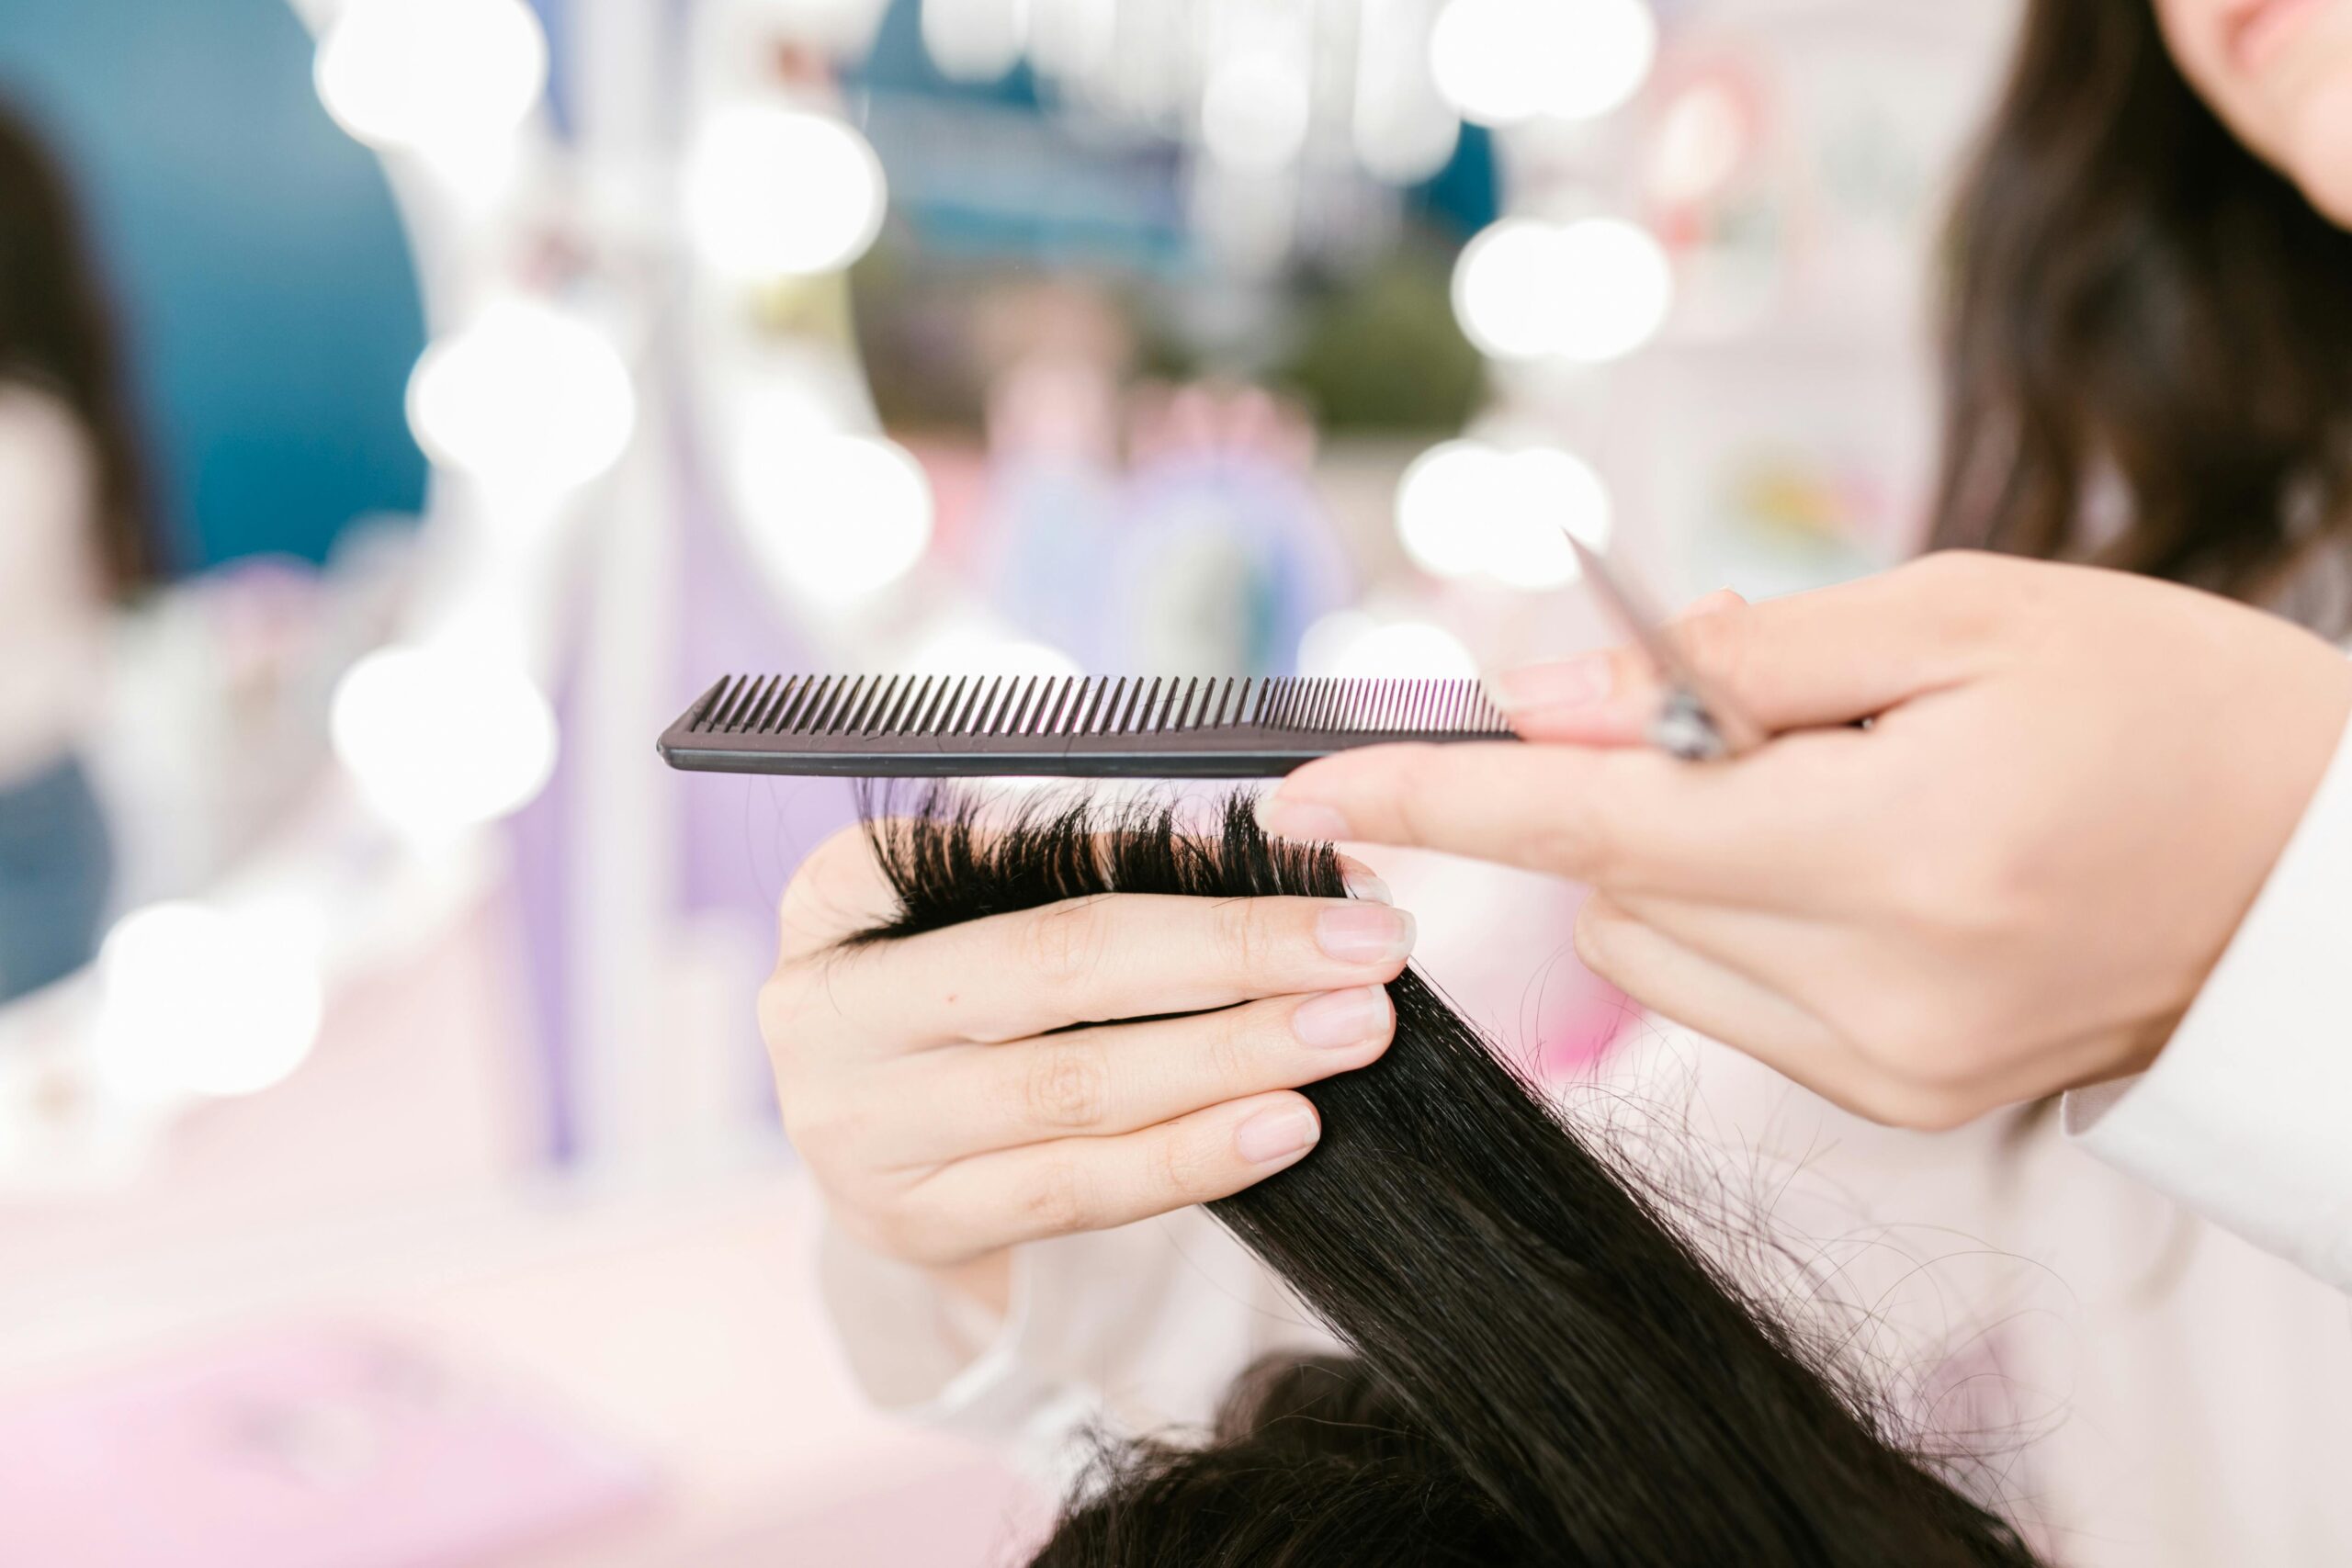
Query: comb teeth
[{"x": 938, "y": 706}]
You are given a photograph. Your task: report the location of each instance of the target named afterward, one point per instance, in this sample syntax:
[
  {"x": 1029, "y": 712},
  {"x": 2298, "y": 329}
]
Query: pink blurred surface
[
  {"x": 314, "y": 1447},
  {"x": 661, "y": 1328}
]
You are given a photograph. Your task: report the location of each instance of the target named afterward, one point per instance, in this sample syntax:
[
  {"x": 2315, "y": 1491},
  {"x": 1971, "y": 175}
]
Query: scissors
[{"x": 1695, "y": 721}]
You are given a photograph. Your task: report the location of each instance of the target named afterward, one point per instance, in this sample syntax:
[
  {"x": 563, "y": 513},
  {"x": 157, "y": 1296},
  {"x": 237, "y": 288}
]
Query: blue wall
[{"x": 264, "y": 279}]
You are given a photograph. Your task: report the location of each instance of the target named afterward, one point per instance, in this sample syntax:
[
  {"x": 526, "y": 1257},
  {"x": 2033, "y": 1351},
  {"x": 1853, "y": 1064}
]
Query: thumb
[{"x": 1810, "y": 661}]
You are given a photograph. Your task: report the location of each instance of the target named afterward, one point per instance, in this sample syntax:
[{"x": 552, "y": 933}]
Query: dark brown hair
[
  {"x": 1543, "y": 1370},
  {"x": 57, "y": 333},
  {"x": 2134, "y": 294}
]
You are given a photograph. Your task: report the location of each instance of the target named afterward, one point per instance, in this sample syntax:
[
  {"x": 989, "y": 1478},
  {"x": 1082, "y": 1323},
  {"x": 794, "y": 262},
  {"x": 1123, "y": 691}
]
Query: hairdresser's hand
[
  {"x": 946, "y": 1121},
  {"x": 2013, "y": 882}
]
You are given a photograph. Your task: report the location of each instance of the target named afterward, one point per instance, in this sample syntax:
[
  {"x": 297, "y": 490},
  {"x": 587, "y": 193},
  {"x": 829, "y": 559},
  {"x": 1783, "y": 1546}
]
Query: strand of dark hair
[
  {"x": 58, "y": 334},
  {"x": 2133, "y": 296},
  {"x": 1579, "y": 1382}
]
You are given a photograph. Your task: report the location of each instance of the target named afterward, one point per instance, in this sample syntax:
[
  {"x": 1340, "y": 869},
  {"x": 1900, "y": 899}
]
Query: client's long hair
[{"x": 1545, "y": 1370}]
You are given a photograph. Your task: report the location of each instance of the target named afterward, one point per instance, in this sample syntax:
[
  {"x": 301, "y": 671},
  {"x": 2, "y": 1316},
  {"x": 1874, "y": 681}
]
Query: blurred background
[{"x": 408, "y": 406}]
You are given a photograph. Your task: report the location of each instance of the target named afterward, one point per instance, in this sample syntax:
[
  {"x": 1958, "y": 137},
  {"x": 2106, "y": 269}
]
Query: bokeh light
[
  {"x": 1255, "y": 111},
  {"x": 436, "y": 75},
  {"x": 197, "y": 999},
  {"x": 1700, "y": 141},
  {"x": 979, "y": 648},
  {"x": 974, "y": 40},
  {"x": 439, "y": 739},
  {"x": 526, "y": 396},
  {"x": 1502, "y": 61},
  {"x": 773, "y": 192},
  {"x": 1354, "y": 644},
  {"x": 838, "y": 516},
  {"x": 1466, "y": 507},
  {"x": 1589, "y": 291}
]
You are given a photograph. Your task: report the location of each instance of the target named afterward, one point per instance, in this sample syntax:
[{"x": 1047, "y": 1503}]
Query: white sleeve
[
  {"x": 2246, "y": 1114},
  {"x": 1135, "y": 1330}
]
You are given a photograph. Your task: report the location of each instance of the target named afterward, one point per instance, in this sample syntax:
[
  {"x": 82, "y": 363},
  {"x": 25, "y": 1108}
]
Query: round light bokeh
[
  {"x": 1502, "y": 61},
  {"x": 439, "y": 739},
  {"x": 197, "y": 999},
  {"x": 970, "y": 648},
  {"x": 772, "y": 192},
  {"x": 440, "y": 74},
  {"x": 1355, "y": 645},
  {"x": 1589, "y": 292},
  {"x": 838, "y": 516},
  {"x": 974, "y": 40},
  {"x": 1466, "y": 508},
  {"x": 1255, "y": 112},
  {"x": 526, "y": 396}
]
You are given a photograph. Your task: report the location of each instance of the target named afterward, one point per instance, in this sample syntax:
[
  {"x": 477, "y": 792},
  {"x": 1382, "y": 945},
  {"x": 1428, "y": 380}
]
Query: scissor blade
[{"x": 1640, "y": 620}]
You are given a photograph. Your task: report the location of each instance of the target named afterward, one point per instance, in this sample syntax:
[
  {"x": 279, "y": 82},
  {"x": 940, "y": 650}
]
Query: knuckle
[
  {"x": 1717, "y": 643},
  {"x": 1231, "y": 1047},
  {"x": 1919, "y": 1049},
  {"x": 1970, "y": 596},
  {"x": 1596, "y": 938},
  {"x": 1955, "y": 570},
  {"x": 1183, "y": 1168},
  {"x": 1066, "y": 1086},
  {"x": 783, "y": 1010},
  {"x": 1055, "y": 1200},
  {"x": 837, "y": 889},
  {"x": 1575, "y": 839},
  {"x": 822, "y": 1127},
  {"x": 1239, "y": 929},
  {"x": 1414, "y": 786},
  {"x": 1063, "y": 943},
  {"x": 1919, "y": 1110},
  {"x": 906, "y": 1230}
]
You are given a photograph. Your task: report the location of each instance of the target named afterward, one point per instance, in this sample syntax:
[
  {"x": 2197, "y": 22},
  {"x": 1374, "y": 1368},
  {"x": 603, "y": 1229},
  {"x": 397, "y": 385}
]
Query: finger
[
  {"x": 1829, "y": 656},
  {"x": 838, "y": 890},
  {"x": 1115, "y": 956},
  {"x": 1708, "y": 603},
  {"x": 1025, "y": 1194},
  {"x": 1100, "y": 1082},
  {"x": 1689, "y": 988},
  {"x": 1722, "y": 998},
  {"x": 1632, "y": 819},
  {"x": 1605, "y": 697}
]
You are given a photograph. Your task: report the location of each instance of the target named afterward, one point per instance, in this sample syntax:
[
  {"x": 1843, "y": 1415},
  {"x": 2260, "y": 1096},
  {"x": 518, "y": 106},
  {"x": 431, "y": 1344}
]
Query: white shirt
[
  {"x": 52, "y": 600},
  {"x": 2246, "y": 1115}
]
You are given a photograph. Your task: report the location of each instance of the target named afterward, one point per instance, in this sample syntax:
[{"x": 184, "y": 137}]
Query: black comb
[{"x": 1077, "y": 727}]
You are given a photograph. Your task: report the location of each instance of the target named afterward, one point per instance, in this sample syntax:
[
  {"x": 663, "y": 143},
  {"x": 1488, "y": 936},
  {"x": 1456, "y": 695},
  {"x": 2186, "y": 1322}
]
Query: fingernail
[
  {"x": 1365, "y": 933},
  {"x": 1362, "y": 884},
  {"x": 1277, "y": 1135},
  {"x": 1341, "y": 1018},
  {"x": 1299, "y": 819},
  {"x": 1586, "y": 678}
]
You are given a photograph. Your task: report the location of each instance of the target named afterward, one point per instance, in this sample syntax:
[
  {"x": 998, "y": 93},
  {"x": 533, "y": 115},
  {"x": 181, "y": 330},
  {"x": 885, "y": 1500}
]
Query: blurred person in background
[
  {"x": 76, "y": 537},
  {"x": 2151, "y": 366}
]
